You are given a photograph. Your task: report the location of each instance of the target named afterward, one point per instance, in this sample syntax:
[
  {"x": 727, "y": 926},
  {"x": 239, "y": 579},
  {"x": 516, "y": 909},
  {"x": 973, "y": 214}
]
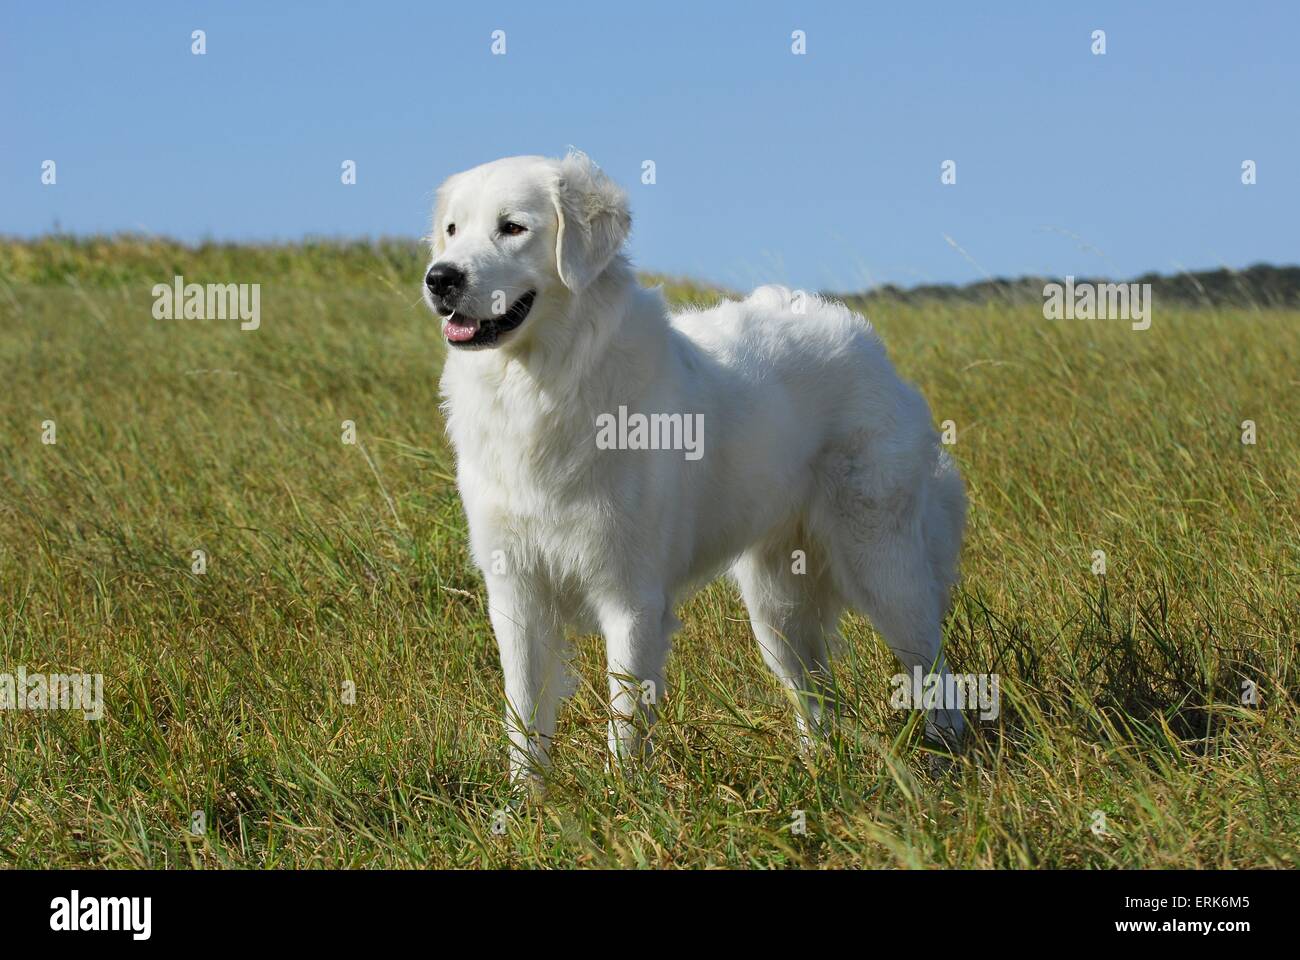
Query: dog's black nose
[{"x": 444, "y": 280}]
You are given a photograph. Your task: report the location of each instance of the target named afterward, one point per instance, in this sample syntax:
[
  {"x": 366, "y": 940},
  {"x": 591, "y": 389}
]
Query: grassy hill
[{"x": 329, "y": 564}]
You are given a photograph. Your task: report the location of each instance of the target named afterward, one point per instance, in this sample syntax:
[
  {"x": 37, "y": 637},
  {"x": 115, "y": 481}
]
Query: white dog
[{"x": 802, "y": 462}]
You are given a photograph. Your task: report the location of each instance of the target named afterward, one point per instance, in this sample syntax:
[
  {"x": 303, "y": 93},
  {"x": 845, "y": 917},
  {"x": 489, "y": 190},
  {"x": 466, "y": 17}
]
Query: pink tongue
[{"x": 459, "y": 331}]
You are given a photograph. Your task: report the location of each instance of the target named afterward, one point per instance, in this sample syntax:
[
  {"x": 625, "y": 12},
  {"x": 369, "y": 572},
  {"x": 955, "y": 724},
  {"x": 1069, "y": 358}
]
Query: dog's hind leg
[{"x": 794, "y": 611}]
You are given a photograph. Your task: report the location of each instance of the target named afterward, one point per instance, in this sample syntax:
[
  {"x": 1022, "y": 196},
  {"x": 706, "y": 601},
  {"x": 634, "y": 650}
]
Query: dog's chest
[
  {"x": 520, "y": 467},
  {"x": 529, "y": 514}
]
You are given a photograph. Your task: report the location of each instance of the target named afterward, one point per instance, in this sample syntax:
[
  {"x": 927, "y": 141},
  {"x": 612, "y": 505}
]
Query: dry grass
[{"x": 330, "y": 563}]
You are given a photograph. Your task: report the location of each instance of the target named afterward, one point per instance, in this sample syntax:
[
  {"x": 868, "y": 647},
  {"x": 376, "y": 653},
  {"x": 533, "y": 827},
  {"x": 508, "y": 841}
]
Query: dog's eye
[
  {"x": 511, "y": 229},
  {"x": 451, "y": 229}
]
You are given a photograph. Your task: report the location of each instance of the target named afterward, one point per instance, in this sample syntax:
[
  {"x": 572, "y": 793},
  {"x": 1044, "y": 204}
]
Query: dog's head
[{"x": 511, "y": 234}]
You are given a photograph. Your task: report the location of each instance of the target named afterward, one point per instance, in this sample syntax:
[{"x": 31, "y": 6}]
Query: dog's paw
[{"x": 946, "y": 734}]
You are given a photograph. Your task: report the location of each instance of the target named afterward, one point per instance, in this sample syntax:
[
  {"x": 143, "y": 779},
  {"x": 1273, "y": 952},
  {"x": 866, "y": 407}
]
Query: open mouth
[{"x": 465, "y": 331}]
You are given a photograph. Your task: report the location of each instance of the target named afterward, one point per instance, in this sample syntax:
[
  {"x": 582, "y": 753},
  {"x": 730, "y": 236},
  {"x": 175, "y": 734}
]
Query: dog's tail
[{"x": 945, "y": 520}]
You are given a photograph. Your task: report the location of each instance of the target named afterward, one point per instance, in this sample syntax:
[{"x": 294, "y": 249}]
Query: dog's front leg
[
  {"x": 637, "y": 638},
  {"x": 529, "y": 637}
]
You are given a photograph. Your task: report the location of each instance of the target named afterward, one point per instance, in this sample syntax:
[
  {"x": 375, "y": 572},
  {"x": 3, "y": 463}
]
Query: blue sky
[{"x": 821, "y": 170}]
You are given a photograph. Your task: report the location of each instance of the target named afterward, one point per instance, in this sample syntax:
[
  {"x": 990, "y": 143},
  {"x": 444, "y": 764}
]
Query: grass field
[{"x": 329, "y": 563}]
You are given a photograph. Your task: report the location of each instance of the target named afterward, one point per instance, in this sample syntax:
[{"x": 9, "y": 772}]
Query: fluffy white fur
[{"x": 811, "y": 443}]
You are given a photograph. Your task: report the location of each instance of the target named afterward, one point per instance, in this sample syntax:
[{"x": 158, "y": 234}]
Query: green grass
[{"x": 330, "y": 563}]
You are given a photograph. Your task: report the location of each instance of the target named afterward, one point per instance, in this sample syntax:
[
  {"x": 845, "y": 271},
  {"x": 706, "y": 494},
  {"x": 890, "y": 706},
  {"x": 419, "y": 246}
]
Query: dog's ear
[
  {"x": 593, "y": 220},
  {"x": 439, "y": 235}
]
